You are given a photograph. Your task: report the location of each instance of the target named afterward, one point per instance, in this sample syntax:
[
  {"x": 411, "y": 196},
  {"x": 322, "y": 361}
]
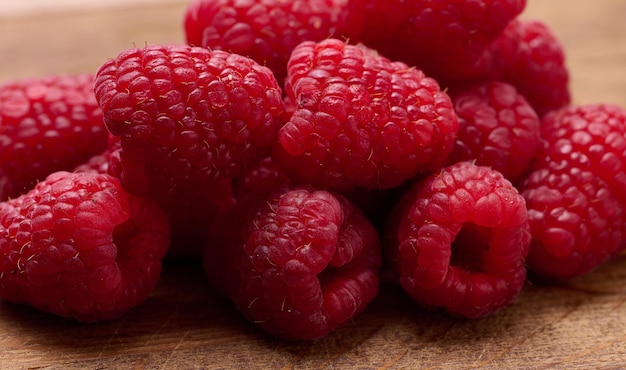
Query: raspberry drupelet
[
  {"x": 457, "y": 240},
  {"x": 497, "y": 127},
  {"x": 529, "y": 55},
  {"x": 576, "y": 222},
  {"x": 536, "y": 66},
  {"x": 187, "y": 113},
  {"x": 298, "y": 262},
  {"x": 189, "y": 119},
  {"x": 266, "y": 30},
  {"x": 588, "y": 137},
  {"x": 47, "y": 124},
  {"x": 361, "y": 120},
  {"x": 575, "y": 190},
  {"x": 441, "y": 37},
  {"x": 79, "y": 246}
]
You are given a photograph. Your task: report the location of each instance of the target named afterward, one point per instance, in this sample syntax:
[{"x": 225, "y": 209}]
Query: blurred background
[
  {"x": 43, "y": 37},
  {"x": 10, "y": 8}
]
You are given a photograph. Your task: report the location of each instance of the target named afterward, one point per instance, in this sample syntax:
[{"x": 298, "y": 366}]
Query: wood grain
[{"x": 183, "y": 325}]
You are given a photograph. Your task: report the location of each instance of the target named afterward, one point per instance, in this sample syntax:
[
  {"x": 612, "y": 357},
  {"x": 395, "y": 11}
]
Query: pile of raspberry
[{"x": 301, "y": 150}]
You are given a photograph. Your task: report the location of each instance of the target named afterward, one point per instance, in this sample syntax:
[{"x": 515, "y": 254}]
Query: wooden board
[{"x": 183, "y": 325}]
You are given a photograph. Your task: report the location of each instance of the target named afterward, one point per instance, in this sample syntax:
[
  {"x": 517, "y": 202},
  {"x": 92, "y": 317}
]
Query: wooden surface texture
[{"x": 581, "y": 324}]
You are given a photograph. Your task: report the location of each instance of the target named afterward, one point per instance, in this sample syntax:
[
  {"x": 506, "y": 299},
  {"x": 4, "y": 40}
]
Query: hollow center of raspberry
[
  {"x": 469, "y": 248},
  {"x": 327, "y": 275},
  {"x": 123, "y": 235}
]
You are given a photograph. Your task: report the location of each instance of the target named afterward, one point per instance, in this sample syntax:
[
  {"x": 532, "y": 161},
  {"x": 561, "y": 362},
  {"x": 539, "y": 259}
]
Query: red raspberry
[
  {"x": 538, "y": 68},
  {"x": 457, "y": 240},
  {"x": 440, "y": 37},
  {"x": 361, "y": 120},
  {"x": 266, "y": 30},
  {"x": 187, "y": 114},
  {"x": 575, "y": 190},
  {"x": 298, "y": 262},
  {"x": 530, "y": 56},
  {"x": 576, "y": 223},
  {"x": 47, "y": 124},
  {"x": 188, "y": 119},
  {"x": 590, "y": 137},
  {"x": 78, "y": 245},
  {"x": 497, "y": 127}
]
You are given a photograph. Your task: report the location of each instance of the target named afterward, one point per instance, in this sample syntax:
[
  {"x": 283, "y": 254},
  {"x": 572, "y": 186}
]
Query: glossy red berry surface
[
  {"x": 298, "y": 262},
  {"x": 187, "y": 114},
  {"x": 497, "y": 127},
  {"x": 47, "y": 124},
  {"x": 266, "y": 31},
  {"x": 188, "y": 120},
  {"x": 361, "y": 119},
  {"x": 574, "y": 191},
  {"x": 78, "y": 245},
  {"x": 529, "y": 55},
  {"x": 576, "y": 222},
  {"x": 458, "y": 239},
  {"x": 441, "y": 37}
]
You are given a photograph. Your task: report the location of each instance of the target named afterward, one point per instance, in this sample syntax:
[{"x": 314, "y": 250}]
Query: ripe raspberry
[
  {"x": 47, "y": 124},
  {"x": 591, "y": 137},
  {"x": 575, "y": 190},
  {"x": 78, "y": 245},
  {"x": 530, "y": 56},
  {"x": 298, "y": 262},
  {"x": 361, "y": 120},
  {"x": 440, "y": 37},
  {"x": 187, "y": 114},
  {"x": 576, "y": 222},
  {"x": 188, "y": 119},
  {"x": 538, "y": 69},
  {"x": 266, "y": 31},
  {"x": 457, "y": 240},
  {"x": 497, "y": 127}
]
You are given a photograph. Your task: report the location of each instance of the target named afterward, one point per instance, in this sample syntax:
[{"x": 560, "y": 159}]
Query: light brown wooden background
[{"x": 581, "y": 324}]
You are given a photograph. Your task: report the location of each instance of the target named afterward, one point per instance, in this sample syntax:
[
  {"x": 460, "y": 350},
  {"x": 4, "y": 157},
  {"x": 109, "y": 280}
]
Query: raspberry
[
  {"x": 538, "y": 69},
  {"x": 360, "y": 119},
  {"x": 187, "y": 114},
  {"x": 497, "y": 127},
  {"x": 575, "y": 190},
  {"x": 47, "y": 124},
  {"x": 440, "y": 37},
  {"x": 457, "y": 240},
  {"x": 590, "y": 137},
  {"x": 266, "y": 31},
  {"x": 530, "y": 56},
  {"x": 189, "y": 119},
  {"x": 298, "y": 262},
  {"x": 576, "y": 223},
  {"x": 78, "y": 245}
]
